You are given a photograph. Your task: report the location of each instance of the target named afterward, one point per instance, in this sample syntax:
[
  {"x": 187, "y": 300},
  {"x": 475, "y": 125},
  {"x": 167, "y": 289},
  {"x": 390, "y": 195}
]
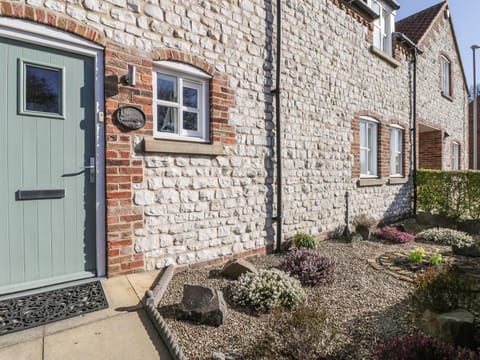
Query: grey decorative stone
[
  {"x": 472, "y": 250},
  {"x": 234, "y": 268},
  {"x": 470, "y": 226},
  {"x": 456, "y": 326},
  {"x": 203, "y": 305}
]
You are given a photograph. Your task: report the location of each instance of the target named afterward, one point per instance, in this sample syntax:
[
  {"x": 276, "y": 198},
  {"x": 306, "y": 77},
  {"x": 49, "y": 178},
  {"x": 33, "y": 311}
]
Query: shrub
[
  {"x": 267, "y": 289},
  {"x": 364, "y": 220},
  {"x": 417, "y": 255},
  {"x": 305, "y": 240},
  {"x": 443, "y": 290},
  {"x": 446, "y": 237},
  {"x": 303, "y": 333},
  {"x": 309, "y": 267},
  {"x": 454, "y": 193},
  {"x": 414, "y": 348},
  {"x": 394, "y": 235}
]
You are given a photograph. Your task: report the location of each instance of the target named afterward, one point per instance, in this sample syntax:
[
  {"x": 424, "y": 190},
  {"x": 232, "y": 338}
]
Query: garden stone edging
[{"x": 152, "y": 299}]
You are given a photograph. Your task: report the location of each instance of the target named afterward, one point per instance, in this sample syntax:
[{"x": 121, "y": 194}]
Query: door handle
[{"x": 91, "y": 168}]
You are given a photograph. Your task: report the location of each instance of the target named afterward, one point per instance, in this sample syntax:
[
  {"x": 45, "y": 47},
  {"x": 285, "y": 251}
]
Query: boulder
[
  {"x": 202, "y": 305},
  {"x": 470, "y": 226},
  {"x": 234, "y": 268},
  {"x": 426, "y": 218},
  {"x": 456, "y": 327},
  {"x": 364, "y": 231},
  {"x": 472, "y": 250}
]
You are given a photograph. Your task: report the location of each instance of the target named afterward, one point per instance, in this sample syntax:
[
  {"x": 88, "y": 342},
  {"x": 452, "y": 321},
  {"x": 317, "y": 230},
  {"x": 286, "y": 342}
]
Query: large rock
[
  {"x": 234, "y": 268},
  {"x": 470, "y": 226},
  {"x": 426, "y": 218},
  {"x": 472, "y": 250},
  {"x": 456, "y": 327},
  {"x": 202, "y": 305}
]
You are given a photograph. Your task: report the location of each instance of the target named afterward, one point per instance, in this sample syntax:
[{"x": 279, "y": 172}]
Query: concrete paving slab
[
  {"x": 127, "y": 336},
  {"x": 141, "y": 282},
  {"x": 120, "y": 296},
  {"x": 29, "y": 350},
  {"x": 21, "y": 336}
]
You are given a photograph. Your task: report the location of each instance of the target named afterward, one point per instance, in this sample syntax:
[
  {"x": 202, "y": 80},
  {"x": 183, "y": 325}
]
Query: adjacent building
[{"x": 138, "y": 134}]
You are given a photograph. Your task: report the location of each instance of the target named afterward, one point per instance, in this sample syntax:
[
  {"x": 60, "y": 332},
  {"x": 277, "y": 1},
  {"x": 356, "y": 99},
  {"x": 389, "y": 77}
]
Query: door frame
[{"x": 27, "y": 31}]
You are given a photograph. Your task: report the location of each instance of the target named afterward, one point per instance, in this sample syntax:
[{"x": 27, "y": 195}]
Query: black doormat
[{"x": 26, "y": 312}]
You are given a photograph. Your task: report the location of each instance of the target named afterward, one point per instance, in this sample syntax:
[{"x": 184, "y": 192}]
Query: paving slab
[
  {"x": 29, "y": 350},
  {"x": 126, "y": 336},
  {"x": 141, "y": 282}
]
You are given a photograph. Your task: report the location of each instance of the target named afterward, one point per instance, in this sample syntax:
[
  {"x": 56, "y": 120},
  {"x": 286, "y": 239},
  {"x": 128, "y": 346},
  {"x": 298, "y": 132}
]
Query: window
[
  {"x": 445, "y": 64},
  {"x": 383, "y": 25},
  {"x": 368, "y": 147},
  {"x": 456, "y": 156},
  {"x": 180, "y": 102},
  {"x": 396, "y": 151}
]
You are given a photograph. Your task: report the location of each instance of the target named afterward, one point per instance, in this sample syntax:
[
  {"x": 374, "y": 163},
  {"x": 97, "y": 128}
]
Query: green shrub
[
  {"x": 303, "y": 333},
  {"x": 443, "y": 290},
  {"x": 454, "y": 193},
  {"x": 305, "y": 240},
  {"x": 445, "y": 237},
  {"x": 267, "y": 289}
]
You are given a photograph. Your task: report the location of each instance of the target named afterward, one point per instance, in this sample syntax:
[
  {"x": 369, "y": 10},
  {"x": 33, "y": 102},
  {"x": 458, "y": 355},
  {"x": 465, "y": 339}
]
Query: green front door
[{"x": 47, "y": 144}]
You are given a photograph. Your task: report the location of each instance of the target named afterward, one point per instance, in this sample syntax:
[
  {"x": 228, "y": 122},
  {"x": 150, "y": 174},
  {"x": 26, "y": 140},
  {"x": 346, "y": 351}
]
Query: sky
[{"x": 465, "y": 15}]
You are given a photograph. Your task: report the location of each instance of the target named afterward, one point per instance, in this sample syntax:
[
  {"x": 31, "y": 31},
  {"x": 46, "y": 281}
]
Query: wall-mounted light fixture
[
  {"x": 130, "y": 76},
  {"x": 445, "y": 134}
]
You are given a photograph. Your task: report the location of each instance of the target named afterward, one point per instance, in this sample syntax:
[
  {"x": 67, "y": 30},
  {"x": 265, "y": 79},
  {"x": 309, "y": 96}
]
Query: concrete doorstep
[{"x": 123, "y": 331}]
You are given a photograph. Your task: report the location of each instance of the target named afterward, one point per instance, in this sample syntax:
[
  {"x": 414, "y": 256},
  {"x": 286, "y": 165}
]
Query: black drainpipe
[
  {"x": 278, "y": 129},
  {"x": 403, "y": 39}
]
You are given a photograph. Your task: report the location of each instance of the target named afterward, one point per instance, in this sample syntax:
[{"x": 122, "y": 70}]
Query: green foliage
[
  {"x": 305, "y": 240},
  {"x": 445, "y": 236},
  {"x": 454, "y": 193},
  {"x": 267, "y": 289},
  {"x": 303, "y": 333},
  {"x": 417, "y": 255},
  {"x": 443, "y": 290}
]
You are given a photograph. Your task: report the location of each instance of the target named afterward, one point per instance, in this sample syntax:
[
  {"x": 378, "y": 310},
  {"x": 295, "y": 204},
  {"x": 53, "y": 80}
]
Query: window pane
[
  {"x": 166, "y": 87},
  {"x": 167, "y": 119},
  {"x": 398, "y": 164},
  {"x": 190, "y": 121},
  {"x": 363, "y": 135},
  {"x": 363, "y": 161},
  {"x": 43, "y": 88},
  {"x": 190, "y": 97}
]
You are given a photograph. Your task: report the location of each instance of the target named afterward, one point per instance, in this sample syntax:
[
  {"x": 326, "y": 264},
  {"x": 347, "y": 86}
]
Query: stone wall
[{"x": 165, "y": 208}]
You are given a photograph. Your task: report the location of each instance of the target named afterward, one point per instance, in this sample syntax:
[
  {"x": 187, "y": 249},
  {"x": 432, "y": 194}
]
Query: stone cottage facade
[{"x": 190, "y": 178}]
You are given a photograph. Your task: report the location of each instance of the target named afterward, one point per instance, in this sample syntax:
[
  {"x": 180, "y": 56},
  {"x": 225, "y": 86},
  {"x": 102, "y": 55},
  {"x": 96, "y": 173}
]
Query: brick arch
[
  {"x": 222, "y": 96},
  {"x": 50, "y": 18}
]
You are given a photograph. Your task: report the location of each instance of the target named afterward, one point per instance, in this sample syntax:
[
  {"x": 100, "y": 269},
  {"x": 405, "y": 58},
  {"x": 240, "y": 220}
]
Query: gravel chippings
[{"x": 366, "y": 305}]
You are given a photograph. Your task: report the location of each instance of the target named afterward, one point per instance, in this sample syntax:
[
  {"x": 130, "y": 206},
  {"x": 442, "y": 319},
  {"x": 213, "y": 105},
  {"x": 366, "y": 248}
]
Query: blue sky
[{"x": 465, "y": 15}]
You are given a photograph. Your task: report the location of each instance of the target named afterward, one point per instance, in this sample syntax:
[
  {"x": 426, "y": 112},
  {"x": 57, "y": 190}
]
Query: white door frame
[{"x": 39, "y": 34}]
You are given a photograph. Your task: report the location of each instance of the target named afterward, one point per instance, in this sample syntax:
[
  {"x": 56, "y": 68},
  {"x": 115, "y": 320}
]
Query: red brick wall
[
  {"x": 430, "y": 149},
  {"x": 470, "y": 134}
]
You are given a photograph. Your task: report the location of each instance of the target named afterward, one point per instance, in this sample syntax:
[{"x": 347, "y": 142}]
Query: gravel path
[{"x": 366, "y": 305}]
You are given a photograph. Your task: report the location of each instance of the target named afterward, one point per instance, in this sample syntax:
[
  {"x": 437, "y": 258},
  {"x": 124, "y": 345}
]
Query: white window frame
[
  {"x": 383, "y": 26},
  {"x": 446, "y": 68},
  {"x": 194, "y": 78},
  {"x": 396, "y": 149},
  {"x": 455, "y": 156},
  {"x": 369, "y": 145}
]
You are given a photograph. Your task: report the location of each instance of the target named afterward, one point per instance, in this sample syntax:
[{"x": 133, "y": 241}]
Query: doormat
[{"x": 26, "y": 312}]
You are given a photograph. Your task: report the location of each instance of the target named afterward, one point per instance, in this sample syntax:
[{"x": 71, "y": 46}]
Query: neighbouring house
[
  {"x": 138, "y": 134},
  {"x": 442, "y": 90}
]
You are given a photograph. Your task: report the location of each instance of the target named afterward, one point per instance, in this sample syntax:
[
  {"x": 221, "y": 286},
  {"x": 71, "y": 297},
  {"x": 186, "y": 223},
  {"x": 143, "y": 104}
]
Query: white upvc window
[
  {"x": 368, "y": 147},
  {"x": 445, "y": 68},
  {"x": 456, "y": 156},
  {"x": 396, "y": 151},
  {"x": 384, "y": 25},
  {"x": 180, "y": 102}
]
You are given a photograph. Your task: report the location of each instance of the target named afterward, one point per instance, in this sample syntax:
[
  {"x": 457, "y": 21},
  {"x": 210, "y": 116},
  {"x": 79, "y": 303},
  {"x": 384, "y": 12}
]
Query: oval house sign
[{"x": 130, "y": 117}]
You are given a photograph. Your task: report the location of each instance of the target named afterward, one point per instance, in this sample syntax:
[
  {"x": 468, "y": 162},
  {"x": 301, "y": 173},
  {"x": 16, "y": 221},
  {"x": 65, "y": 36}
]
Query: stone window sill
[
  {"x": 448, "y": 97},
  {"x": 385, "y": 57},
  {"x": 178, "y": 147},
  {"x": 397, "y": 180},
  {"x": 370, "y": 182}
]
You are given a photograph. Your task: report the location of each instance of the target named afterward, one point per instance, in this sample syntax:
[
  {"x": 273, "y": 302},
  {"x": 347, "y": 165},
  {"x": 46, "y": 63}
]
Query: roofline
[
  {"x": 433, "y": 21},
  {"x": 393, "y": 3}
]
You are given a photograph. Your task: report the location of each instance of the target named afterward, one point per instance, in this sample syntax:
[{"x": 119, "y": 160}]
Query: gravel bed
[{"x": 366, "y": 305}]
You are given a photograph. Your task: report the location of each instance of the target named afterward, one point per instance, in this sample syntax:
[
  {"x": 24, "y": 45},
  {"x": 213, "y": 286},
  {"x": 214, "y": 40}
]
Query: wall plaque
[{"x": 130, "y": 117}]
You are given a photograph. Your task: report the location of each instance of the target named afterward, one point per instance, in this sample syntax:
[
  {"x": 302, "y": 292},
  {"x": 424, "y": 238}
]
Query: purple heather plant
[
  {"x": 413, "y": 348},
  {"x": 309, "y": 267},
  {"x": 394, "y": 235}
]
